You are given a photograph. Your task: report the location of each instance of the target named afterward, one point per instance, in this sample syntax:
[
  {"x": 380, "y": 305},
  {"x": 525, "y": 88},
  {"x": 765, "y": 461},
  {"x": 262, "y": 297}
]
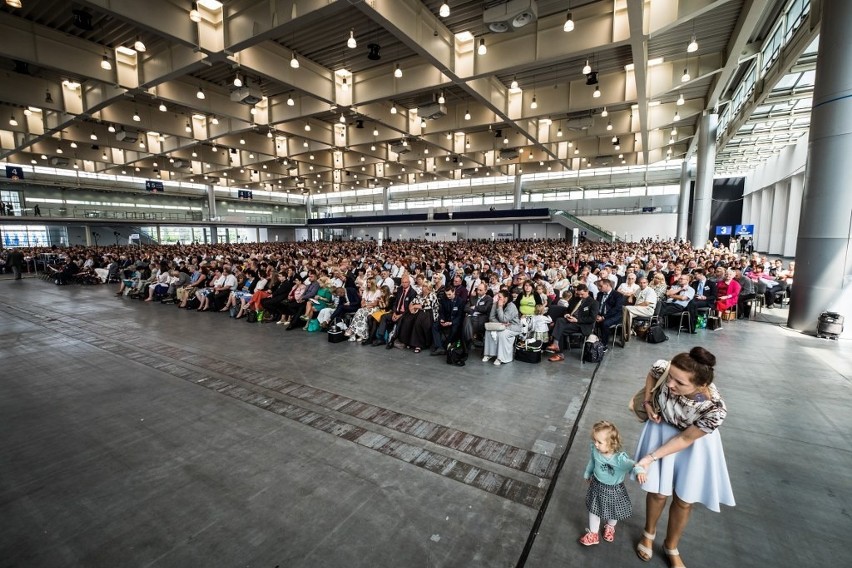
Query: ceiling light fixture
[
  {"x": 514, "y": 84},
  {"x": 17, "y": 3},
  {"x": 342, "y": 118},
  {"x": 136, "y": 117},
  {"x": 393, "y": 108},
  {"x": 139, "y": 46},
  {"x": 534, "y": 103},
  {"x": 93, "y": 136},
  {"x": 237, "y": 81},
  {"x": 194, "y": 14},
  {"x": 559, "y": 132},
  {"x": 163, "y": 107},
  {"x": 587, "y": 68},
  {"x": 105, "y": 64},
  {"x": 397, "y": 72},
  {"x": 294, "y": 62},
  {"x": 215, "y": 121},
  {"x": 569, "y": 23},
  {"x": 307, "y": 127},
  {"x": 677, "y": 116},
  {"x": 605, "y": 113},
  {"x": 680, "y": 100},
  {"x": 467, "y": 114},
  {"x": 111, "y": 129},
  {"x": 200, "y": 94},
  {"x": 693, "y": 45},
  {"x": 685, "y": 77},
  {"x": 597, "y": 93},
  {"x": 482, "y": 50},
  {"x": 73, "y": 144},
  {"x": 443, "y": 11},
  {"x": 375, "y": 131},
  {"x": 351, "y": 43},
  {"x": 290, "y": 101},
  {"x": 441, "y": 99},
  {"x": 188, "y": 127},
  {"x": 609, "y": 125}
]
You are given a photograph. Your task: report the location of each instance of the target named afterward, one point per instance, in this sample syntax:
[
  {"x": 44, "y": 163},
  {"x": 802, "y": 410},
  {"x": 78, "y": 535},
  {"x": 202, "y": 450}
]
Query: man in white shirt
[
  {"x": 678, "y": 298},
  {"x": 646, "y": 303}
]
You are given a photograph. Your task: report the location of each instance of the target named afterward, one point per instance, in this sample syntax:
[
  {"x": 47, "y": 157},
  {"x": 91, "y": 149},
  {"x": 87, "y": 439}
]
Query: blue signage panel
[
  {"x": 744, "y": 230},
  {"x": 723, "y": 230},
  {"x": 154, "y": 185}
]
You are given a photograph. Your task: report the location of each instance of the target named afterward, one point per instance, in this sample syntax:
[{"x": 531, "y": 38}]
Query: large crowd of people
[{"x": 427, "y": 296}]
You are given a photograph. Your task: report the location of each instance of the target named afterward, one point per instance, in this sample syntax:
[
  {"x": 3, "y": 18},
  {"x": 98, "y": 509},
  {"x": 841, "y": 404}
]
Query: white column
[
  {"x": 703, "y": 199},
  {"x": 766, "y": 200},
  {"x": 683, "y": 203},
  {"x": 517, "y": 189},
  {"x": 779, "y": 217},
  {"x": 385, "y": 199},
  {"x": 794, "y": 210}
]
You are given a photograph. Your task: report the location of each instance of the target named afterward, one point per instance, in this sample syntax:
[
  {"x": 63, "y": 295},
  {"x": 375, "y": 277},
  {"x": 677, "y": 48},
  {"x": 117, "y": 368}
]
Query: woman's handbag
[
  {"x": 637, "y": 403},
  {"x": 494, "y": 326},
  {"x": 377, "y": 315}
]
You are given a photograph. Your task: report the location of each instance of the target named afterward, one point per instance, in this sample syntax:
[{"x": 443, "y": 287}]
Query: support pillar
[
  {"x": 88, "y": 232},
  {"x": 211, "y": 203},
  {"x": 703, "y": 199},
  {"x": 517, "y": 192},
  {"x": 159, "y": 239},
  {"x": 683, "y": 202},
  {"x": 823, "y": 279},
  {"x": 385, "y": 199},
  {"x": 794, "y": 210},
  {"x": 214, "y": 234}
]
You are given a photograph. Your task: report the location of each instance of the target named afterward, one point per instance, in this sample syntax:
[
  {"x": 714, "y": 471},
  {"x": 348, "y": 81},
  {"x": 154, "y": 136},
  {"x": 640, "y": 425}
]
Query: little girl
[
  {"x": 607, "y": 497},
  {"x": 540, "y": 323}
]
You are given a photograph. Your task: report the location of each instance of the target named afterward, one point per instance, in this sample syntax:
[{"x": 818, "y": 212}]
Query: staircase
[{"x": 571, "y": 222}]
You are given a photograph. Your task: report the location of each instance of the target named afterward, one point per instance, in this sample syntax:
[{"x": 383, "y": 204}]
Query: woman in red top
[{"x": 727, "y": 291}]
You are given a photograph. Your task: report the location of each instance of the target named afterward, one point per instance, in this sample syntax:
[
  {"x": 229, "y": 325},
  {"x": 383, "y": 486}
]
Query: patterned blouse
[{"x": 682, "y": 412}]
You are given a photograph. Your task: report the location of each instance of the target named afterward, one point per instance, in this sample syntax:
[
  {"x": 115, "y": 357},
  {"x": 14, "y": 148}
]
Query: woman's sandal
[
  {"x": 670, "y": 552},
  {"x": 417, "y": 350},
  {"x": 645, "y": 553}
]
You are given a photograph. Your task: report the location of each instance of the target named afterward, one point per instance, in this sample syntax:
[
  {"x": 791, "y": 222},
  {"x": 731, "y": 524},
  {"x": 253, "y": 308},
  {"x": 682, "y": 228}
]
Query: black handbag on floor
[{"x": 656, "y": 335}]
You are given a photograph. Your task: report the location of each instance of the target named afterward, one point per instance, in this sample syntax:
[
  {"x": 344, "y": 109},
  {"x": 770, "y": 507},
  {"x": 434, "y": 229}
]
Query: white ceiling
[{"x": 46, "y": 47}]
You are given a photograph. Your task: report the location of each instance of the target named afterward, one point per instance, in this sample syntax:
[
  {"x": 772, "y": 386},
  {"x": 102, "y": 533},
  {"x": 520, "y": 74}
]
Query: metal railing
[{"x": 594, "y": 229}]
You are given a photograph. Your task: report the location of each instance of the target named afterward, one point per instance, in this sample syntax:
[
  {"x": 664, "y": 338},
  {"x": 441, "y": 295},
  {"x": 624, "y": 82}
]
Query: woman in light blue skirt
[{"x": 680, "y": 448}]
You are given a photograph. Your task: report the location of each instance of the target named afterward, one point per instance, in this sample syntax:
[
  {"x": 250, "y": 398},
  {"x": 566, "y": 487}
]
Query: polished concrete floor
[{"x": 138, "y": 434}]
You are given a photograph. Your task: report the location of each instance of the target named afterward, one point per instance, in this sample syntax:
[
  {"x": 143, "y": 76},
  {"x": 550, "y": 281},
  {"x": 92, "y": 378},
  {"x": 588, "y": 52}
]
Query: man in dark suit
[
  {"x": 580, "y": 318},
  {"x": 477, "y": 310},
  {"x": 705, "y": 294},
  {"x": 446, "y": 326},
  {"x": 611, "y": 303},
  {"x": 404, "y": 294}
]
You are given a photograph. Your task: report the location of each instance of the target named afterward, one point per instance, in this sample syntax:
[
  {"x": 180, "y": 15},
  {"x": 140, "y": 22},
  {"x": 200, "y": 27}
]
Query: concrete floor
[{"x": 138, "y": 434}]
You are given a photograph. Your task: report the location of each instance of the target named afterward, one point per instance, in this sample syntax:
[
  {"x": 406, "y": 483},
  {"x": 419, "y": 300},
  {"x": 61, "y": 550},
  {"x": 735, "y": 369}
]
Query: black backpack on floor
[{"x": 456, "y": 354}]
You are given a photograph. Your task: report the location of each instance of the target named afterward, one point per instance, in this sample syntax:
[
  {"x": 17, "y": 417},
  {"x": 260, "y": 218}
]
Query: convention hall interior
[{"x": 138, "y": 434}]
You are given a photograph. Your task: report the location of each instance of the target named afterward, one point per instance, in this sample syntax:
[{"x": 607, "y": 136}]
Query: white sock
[{"x": 594, "y": 523}]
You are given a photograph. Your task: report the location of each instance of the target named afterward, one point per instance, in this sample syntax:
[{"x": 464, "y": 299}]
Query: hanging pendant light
[
  {"x": 351, "y": 43},
  {"x": 444, "y": 10},
  {"x": 587, "y": 68}
]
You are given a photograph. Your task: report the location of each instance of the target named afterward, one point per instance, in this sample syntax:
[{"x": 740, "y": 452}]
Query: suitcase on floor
[{"x": 829, "y": 325}]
